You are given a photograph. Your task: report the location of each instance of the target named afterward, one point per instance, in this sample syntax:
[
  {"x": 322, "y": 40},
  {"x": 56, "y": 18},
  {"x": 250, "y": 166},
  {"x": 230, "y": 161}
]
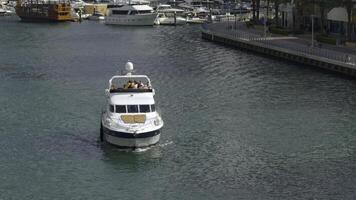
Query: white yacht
[
  {"x": 6, "y": 10},
  {"x": 2, "y": 12},
  {"x": 78, "y": 4},
  {"x": 169, "y": 16},
  {"x": 131, "y": 14},
  {"x": 96, "y": 16},
  {"x": 130, "y": 119},
  {"x": 195, "y": 20}
]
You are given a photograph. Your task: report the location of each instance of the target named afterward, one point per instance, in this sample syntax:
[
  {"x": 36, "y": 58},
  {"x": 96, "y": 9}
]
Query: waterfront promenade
[{"x": 291, "y": 48}]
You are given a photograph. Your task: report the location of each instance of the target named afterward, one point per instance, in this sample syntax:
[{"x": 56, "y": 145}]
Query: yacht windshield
[
  {"x": 132, "y": 108},
  {"x": 144, "y": 108},
  {"x": 121, "y": 109}
]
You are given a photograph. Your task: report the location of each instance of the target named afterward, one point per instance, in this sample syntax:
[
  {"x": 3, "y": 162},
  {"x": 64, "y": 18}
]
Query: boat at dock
[
  {"x": 130, "y": 118},
  {"x": 2, "y": 12},
  {"x": 96, "y": 16},
  {"x": 195, "y": 13},
  {"x": 196, "y": 20},
  {"x": 131, "y": 15},
  {"x": 169, "y": 16},
  {"x": 35, "y": 10},
  {"x": 6, "y": 10}
]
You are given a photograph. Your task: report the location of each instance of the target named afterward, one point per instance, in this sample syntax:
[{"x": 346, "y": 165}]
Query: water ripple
[{"x": 237, "y": 125}]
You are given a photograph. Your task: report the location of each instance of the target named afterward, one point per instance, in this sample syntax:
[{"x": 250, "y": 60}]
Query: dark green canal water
[{"x": 237, "y": 125}]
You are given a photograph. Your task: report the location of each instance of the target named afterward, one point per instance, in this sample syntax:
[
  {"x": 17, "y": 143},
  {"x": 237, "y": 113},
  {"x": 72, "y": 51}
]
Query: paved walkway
[
  {"x": 304, "y": 39},
  {"x": 300, "y": 44}
]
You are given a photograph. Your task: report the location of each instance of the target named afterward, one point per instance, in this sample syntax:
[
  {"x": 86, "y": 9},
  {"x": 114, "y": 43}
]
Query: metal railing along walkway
[{"x": 236, "y": 31}]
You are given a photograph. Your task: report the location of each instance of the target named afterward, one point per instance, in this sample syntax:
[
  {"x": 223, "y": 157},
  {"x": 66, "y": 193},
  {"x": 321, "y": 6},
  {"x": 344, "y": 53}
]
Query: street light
[
  {"x": 312, "y": 17},
  {"x": 265, "y": 22}
]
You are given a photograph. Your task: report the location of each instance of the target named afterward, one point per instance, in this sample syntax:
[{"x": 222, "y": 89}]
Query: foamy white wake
[{"x": 159, "y": 145}]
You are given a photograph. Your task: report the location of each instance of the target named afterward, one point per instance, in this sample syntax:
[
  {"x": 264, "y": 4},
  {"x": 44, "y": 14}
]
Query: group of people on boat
[{"x": 133, "y": 84}]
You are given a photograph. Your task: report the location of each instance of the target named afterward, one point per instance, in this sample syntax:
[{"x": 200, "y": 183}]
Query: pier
[{"x": 286, "y": 47}]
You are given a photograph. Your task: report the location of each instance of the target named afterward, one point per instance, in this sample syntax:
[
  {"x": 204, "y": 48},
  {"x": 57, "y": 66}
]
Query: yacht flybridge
[{"x": 130, "y": 118}]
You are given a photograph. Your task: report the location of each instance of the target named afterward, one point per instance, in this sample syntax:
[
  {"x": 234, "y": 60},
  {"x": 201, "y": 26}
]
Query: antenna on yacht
[{"x": 129, "y": 68}]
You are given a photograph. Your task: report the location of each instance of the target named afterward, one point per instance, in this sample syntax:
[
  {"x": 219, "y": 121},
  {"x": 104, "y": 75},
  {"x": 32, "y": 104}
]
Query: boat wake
[
  {"x": 154, "y": 148},
  {"x": 157, "y": 146},
  {"x": 165, "y": 144}
]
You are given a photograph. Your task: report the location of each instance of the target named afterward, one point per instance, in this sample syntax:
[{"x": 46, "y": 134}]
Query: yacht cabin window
[
  {"x": 144, "y": 11},
  {"x": 119, "y": 12},
  {"x": 144, "y": 108},
  {"x": 111, "y": 108},
  {"x": 133, "y": 12},
  {"x": 120, "y": 109},
  {"x": 132, "y": 108}
]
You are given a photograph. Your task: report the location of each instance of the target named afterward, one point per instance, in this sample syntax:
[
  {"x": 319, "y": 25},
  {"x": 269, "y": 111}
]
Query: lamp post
[
  {"x": 312, "y": 18},
  {"x": 235, "y": 16},
  {"x": 265, "y": 22}
]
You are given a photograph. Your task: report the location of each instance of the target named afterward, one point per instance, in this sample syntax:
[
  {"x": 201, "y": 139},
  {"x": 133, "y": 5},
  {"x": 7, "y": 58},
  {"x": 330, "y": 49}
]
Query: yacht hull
[
  {"x": 131, "y": 20},
  {"x": 171, "y": 21},
  {"x": 96, "y": 18},
  {"x": 129, "y": 140},
  {"x": 196, "y": 21}
]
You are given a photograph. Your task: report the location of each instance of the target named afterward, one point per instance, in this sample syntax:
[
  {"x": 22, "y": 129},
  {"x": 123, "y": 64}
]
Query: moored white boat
[
  {"x": 196, "y": 20},
  {"x": 169, "y": 16},
  {"x": 6, "y": 10},
  {"x": 2, "y": 12},
  {"x": 130, "y": 118},
  {"x": 96, "y": 16},
  {"x": 131, "y": 15}
]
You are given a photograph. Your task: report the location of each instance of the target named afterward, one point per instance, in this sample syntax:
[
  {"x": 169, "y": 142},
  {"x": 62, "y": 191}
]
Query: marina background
[{"x": 237, "y": 125}]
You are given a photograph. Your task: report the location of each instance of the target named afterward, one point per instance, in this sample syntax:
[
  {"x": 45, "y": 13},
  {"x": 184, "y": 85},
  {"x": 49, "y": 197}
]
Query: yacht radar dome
[{"x": 129, "y": 68}]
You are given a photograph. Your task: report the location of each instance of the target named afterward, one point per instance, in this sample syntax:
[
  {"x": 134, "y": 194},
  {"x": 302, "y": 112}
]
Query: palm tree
[
  {"x": 276, "y": 11},
  {"x": 324, "y": 5},
  {"x": 267, "y": 8},
  {"x": 254, "y": 10},
  {"x": 258, "y": 8},
  {"x": 299, "y": 13},
  {"x": 349, "y": 6}
]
